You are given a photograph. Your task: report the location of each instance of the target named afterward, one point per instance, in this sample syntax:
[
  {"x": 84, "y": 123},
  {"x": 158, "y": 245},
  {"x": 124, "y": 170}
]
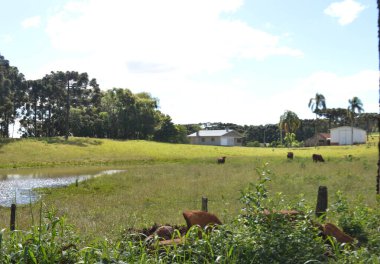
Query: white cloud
[
  {"x": 159, "y": 46},
  {"x": 6, "y": 39},
  {"x": 336, "y": 89},
  {"x": 346, "y": 11},
  {"x": 31, "y": 22},
  {"x": 173, "y": 35},
  {"x": 236, "y": 101}
]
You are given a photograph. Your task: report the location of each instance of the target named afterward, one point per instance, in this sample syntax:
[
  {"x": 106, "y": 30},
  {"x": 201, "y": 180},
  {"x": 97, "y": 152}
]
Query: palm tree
[
  {"x": 289, "y": 122},
  {"x": 317, "y": 105},
  {"x": 355, "y": 105}
]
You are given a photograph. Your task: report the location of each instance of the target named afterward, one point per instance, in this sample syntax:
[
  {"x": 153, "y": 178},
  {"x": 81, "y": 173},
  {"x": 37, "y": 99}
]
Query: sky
[{"x": 233, "y": 61}]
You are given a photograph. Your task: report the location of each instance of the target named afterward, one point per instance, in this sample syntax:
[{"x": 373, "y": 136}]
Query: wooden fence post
[
  {"x": 378, "y": 177},
  {"x": 321, "y": 201},
  {"x": 378, "y": 167},
  {"x": 204, "y": 204},
  {"x": 13, "y": 217}
]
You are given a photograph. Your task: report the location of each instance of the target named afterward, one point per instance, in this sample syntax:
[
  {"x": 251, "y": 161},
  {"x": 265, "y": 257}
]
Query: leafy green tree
[
  {"x": 191, "y": 128},
  {"x": 289, "y": 122},
  {"x": 47, "y": 111},
  {"x": 12, "y": 95},
  {"x": 84, "y": 122},
  {"x": 181, "y": 134},
  {"x": 335, "y": 116},
  {"x": 166, "y": 130},
  {"x": 54, "y": 106},
  {"x": 35, "y": 96},
  {"x": 369, "y": 121},
  {"x": 129, "y": 116},
  {"x": 145, "y": 116},
  {"x": 120, "y": 105},
  {"x": 267, "y": 133},
  {"x": 289, "y": 139},
  {"x": 355, "y": 106},
  {"x": 75, "y": 84},
  {"x": 317, "y": 106}
]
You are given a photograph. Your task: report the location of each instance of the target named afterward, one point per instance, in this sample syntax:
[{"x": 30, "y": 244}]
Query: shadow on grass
[
  {"x": 5, "y": 141},
  {"x": 81, "y": 142}
]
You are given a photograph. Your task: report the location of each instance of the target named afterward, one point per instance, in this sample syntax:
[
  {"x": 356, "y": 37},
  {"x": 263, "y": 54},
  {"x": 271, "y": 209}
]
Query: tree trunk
[
  {"x": 315, "y": 124},
  {"x": 67, "y": 111},
  {"x": 35, "y": 116},
  {"x": 6, "y": 126},
  {"x": 49, "y": 122}
]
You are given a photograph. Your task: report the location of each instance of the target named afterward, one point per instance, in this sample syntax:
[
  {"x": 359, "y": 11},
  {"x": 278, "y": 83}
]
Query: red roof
[{"x": 325, "y": 135}]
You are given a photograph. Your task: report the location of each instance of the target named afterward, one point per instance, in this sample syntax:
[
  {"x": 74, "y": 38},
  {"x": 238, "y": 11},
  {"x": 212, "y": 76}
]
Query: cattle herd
[
  {"x": 289, "y": 155},
  {"x": 315, "y": 157},
  {"x": 209, "y": 222}
]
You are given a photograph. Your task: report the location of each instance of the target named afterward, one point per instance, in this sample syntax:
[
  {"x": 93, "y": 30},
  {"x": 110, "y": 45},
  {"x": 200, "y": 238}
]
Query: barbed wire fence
[{"x": 203, "y": 204}]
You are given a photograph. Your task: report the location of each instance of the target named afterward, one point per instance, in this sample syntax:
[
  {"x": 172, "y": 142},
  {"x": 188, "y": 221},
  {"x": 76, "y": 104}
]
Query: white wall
[
  {"x": 342, "y": 135},
  {"x": 227, "y": 141}
]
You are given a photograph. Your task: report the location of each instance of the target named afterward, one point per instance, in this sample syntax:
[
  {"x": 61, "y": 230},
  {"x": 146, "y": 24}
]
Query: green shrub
[
  {"x": 253, "y": 144},
  {"x": 360, "y": 222},
  {"x": 52, "y": 241}
]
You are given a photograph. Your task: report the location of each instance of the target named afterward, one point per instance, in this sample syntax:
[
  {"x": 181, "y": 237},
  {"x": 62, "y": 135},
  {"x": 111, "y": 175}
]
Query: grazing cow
[
  {"x": 290, "y": 155},
  {"x": 318, "y": 157},
  {"x": 221, "y": 160}
]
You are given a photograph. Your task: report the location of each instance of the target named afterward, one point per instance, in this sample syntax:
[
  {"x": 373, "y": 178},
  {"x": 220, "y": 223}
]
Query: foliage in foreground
[{"x": 252, "y": 237}]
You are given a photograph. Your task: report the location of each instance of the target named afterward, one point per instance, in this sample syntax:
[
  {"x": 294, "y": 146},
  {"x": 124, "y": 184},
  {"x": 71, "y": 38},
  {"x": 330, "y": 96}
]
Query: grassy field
[{"x": 162, "y": 180}]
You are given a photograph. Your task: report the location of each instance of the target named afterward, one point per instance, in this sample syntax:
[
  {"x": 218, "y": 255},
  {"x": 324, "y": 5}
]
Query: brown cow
[
  {"x": 318, "y": 157},
  {"x": 290, "y": 155},
  {"x": 201, "y": 218},
  {"x": 221, "y": 160},
  {"x": 332, "y": 230}
]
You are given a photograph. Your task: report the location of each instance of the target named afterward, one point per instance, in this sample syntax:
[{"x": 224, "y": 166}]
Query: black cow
[
  {"x": 290, "y": 155},
  {"x": 221, "y": 160},
  {"x": 318, "y": 157}
]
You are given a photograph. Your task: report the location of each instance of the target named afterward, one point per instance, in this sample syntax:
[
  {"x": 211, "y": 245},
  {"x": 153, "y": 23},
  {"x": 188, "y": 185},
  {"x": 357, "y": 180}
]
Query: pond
[{"x": 18, "y": 186}]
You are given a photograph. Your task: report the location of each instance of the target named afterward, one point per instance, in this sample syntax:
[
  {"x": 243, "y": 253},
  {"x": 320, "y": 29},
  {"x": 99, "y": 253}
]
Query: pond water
[{"x": 18, "y": 186}]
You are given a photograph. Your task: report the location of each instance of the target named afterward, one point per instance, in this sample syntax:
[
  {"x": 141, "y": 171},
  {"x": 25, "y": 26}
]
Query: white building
[
  {"x": 227, "y": 137},
  {"x": 343, "y": 135}
]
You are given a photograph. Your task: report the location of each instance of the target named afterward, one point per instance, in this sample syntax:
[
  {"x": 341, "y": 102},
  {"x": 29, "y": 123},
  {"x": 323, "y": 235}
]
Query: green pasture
[{"x": 162, "y": 180}]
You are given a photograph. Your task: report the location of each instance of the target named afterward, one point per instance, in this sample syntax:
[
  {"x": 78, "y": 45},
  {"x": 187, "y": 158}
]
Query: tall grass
[
  {"x": 251, "y": 237},
  {"x": 162, "y": 180},
  {"x": 86, "y": 151}
]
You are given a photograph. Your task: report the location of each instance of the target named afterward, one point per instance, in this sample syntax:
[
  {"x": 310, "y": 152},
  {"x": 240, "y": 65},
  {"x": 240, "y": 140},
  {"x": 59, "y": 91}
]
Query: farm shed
[
  {"x": 227, "y": 137},
  {"x": 319, "y": 139},
  {"x": 343, "y": 135}
]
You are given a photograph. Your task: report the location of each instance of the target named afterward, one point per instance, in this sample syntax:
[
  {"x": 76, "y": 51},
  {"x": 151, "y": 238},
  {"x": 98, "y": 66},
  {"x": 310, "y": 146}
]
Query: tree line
[
  {"x": 71, "y": 103},
  {"x": 290, "y": 129}
]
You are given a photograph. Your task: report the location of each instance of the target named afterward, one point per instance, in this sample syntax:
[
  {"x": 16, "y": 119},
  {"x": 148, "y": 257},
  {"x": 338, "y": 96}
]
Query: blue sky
[{"x": 243, "y": 62}]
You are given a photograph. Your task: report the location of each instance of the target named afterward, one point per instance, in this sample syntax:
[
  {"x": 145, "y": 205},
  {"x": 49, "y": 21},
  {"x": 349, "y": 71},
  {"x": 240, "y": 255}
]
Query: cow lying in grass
[
  {"x": 204, "y": 219},
  {"x": 318, "y": 157},
  {"x": 201, "y": 218},
  {"x": 168, "y": 236}
]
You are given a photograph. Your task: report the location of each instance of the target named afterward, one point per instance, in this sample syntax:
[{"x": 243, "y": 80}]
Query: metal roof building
[{"x": 225, "y": 137}]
